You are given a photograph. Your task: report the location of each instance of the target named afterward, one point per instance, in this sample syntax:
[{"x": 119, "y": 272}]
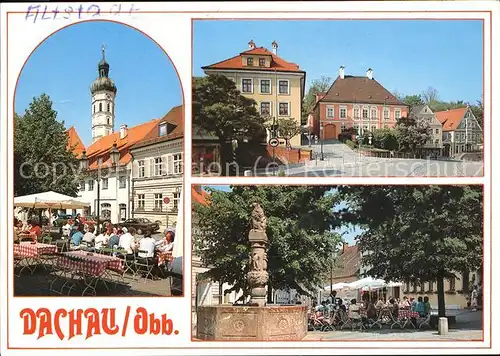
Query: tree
[
  {"x": 417, "y": 234},
  {"x": 430, "y": 96},
  {"x": 413, "y": 100},
  {"x": 220, "y": 109},
  {"x": 301, "y": 240},
  {"x": 411, "y": 133},
  {"x": 287, "y": 128},
  {"x": 42, "y": 161},
  {"x": 320, "y": 85},
  {"x": 385, "y": 139}
]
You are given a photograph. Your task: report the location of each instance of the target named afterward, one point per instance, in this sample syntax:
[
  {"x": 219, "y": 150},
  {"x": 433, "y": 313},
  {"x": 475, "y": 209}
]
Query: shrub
[{"x": 351, "y": 144}]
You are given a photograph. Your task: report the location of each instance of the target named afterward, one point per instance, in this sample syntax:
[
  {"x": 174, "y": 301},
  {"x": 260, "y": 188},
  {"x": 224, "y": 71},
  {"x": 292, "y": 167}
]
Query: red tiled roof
[
  {"x": 450, "y": 119},
  {"x": 354, "y": 89},
  {"x": 75, "y": 144},
  {"x": 175, "y": 117},
  {"x": 349, "y": 263},
  {"x": 198, "y": 195},
  {"x": 236, "y": 62},
  {"x": 102, "y": 147}
]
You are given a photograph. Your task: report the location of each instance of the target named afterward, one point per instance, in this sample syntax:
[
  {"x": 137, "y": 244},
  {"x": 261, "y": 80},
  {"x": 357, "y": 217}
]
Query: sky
[
  {"x": 65, "y": 65},
  {"x": 348, "y": 233},
  {"x": 407, "y": 56}
]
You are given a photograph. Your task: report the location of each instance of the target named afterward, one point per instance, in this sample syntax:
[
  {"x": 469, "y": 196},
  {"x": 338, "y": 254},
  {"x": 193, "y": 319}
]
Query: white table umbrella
[
  {"x": 336, "y": 286},
  {"x": 49, "y": 200},
  {"x": 367, "y": 283}
]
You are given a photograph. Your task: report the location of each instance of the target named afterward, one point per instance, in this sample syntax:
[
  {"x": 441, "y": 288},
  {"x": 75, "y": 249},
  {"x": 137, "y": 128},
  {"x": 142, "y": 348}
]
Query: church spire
[{"x": 103, "y": 66}]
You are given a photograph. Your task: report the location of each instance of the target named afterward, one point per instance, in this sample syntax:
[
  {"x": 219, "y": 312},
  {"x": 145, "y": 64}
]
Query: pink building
[{"x": 356, "y": 101}]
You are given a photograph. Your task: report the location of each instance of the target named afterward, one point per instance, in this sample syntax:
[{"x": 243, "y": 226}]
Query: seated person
[
  {"x": 405, "y": 303},
  {"x": 354, "y": 310},
  {"x": 114, "y": 239},
  {"x": 146, "y": 244},
  {"x": 35, "y": 229},
  {"x": 127, "y": 240},
  {"x": 371, "y": 311},
  {"x": 168, "y": 243},
  {"x": 427, "y": 306},
  {"x": 394, "y": 308},
  {"x": 413, "y": 303},
  {"x": 89, "y": 236},
  {"x": 66, "y": 229},
  {"x": 101, "y": 240},
  {"x": 341, "y": 305},
  {"x": 380, "y": 304},
  {"x": 77, "y": 237},
  {"x": 420, "y": 308}
]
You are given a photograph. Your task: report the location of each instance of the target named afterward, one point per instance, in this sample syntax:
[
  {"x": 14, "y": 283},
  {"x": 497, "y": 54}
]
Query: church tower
[{"x": 103, "y": 91}]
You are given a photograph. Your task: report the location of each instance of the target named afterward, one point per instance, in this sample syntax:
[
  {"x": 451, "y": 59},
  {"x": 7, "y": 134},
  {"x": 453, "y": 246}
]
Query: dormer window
[
  {"x": 250, "y": 62},
  {"x": 163, "y": 129},
  {"x": 262, "y": 62}
]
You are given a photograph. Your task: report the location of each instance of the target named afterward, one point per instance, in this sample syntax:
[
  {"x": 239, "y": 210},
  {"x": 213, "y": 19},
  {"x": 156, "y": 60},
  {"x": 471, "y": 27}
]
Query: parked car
[{"x": 142, "y": 225}]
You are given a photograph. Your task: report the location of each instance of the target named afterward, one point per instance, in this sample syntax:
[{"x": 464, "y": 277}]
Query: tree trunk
[
  {"x": 226, "y": 159},
  {"x": 440, "y": 293},
  {"x": 269, "y": 293}
]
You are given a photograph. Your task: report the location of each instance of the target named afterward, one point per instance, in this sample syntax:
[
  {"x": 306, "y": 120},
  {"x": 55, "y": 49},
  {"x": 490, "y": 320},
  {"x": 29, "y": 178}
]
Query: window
[
  {"x": 250, "y": 62},
  {"x": 163, "y": 129},
  {"x": 284, "y": 110},
  {"x": 109, "y": 121},
  {"x": 283, "y": 86},
  {"x": 265, "y": 108},
  {"x": 356, "y": 127},
  {"x": 365, "y": 113},
  {"x": 91, "y": 184},
  {"x": 329, "y": 112},
  {"x": 104, "y": 183},
  {"x": 141, "y": 201},
  {"x": 93, "y": 108},
  {"x": 140, "y": 164},
  {"x": 106, "y": 210},
  {"x": 343, "y": 113},
  {"x": 265, "y": 86},
  {"x": 109, "y": 107},
  {"x": 436, "y": 131},
  {"x": 374, "y": 128},
  {"x": 122, "y": 182},
  {"x": 386, "y": 114},
  {"x": 82, "y": 185},
  {"x": 365, "y": 128},
  {"x": 158, "y": 166},
  {"x": 436, "y": 142},
  {"x": 397, "y": 114},
  {"x": 177, "y": 197},
  {"x": 158, "y": 201},
  {"x": 343, "y": 127},
  {"x": 452, "y": 284},
  {"x": 100, "y": 106},
  {"x": 431, "y": 286},
  {"x": 262, "y": 62},
  {"x": 178, "y": 163},
  {"x": 246, "y": 86},
  {"x": 356, "y": 112},
  {"x": 422, "y": 287},
  {"x": 374, "y": 113}
]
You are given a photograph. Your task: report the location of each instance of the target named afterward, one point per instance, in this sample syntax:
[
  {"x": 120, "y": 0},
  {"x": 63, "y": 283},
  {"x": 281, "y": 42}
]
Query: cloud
[{"x": 69, "y": 101}]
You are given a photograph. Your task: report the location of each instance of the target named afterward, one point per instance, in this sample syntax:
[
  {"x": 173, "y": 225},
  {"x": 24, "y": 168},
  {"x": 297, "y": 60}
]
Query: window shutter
[
  {"x": 170, "y": 164},
  {"x": 290, "y": 109}
]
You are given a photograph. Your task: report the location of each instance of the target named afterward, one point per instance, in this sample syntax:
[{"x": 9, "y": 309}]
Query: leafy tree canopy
[
  {"x": 42, "y": 161},
  {"x": 300, "y": 232},
  {"x": 322, "y": 84},
  {"x": 417, "y": 233},
  {"x": 411, "y": 134}
]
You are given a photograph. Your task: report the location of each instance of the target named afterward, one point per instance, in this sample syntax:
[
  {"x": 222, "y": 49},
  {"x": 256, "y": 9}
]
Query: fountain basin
[{"x": 251, "y": 323}]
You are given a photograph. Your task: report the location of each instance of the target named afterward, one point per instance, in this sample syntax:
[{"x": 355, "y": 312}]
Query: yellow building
[{"x": 276, "y": 85}]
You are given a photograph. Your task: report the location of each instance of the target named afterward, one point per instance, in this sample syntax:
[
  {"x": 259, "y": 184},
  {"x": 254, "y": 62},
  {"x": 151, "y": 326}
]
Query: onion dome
[{"x": 103, "y": 82}]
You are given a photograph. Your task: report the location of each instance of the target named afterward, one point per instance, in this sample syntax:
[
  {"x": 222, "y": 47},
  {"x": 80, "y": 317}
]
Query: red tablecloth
[
  {"x": 27, "y": 249},
  {"x": 91, "y": 264},
  {"x": 405, "y": 313},
  {"x": 165, "y": 256}
]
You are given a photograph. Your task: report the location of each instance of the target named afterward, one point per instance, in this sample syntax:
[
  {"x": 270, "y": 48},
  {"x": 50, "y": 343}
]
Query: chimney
[
  {"x": 369, "y": 73},
  {"x": 275, "y": 47},
  {"x": 251, "y": 44},
  {"x": 341, "y": 72},
  {"x": 344, "y": 246},
  {"x": 123, "y": 131}
]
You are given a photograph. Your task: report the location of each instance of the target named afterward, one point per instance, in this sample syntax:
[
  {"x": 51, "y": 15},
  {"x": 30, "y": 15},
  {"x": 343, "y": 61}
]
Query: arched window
[
  {"x": 109, "y": 107},
  {"x": 93, "y": 108},
  {"x": 100, "y": 106},
  {"x": 106, "y": 210}
]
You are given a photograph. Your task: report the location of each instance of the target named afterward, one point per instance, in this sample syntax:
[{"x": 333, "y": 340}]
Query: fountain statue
[{"x": 255, "y": 321}]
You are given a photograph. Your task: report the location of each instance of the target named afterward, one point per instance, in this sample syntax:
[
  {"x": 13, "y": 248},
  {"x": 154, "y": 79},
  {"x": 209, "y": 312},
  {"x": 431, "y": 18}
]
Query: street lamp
[
  {"x": 321, "y": 141},
  {"x": 115, "y": 158}
]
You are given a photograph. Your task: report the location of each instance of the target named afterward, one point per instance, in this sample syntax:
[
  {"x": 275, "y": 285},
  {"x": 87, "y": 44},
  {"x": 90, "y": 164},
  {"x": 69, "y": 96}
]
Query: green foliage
[
  {"x": 319, "y": 85},
  {"x": 411, "y": 134},
  {"x": 413, "y": 100},
  {"x": 350, "y": 144},
  {"x": 385, "y": 139},
  {"x": 221, "y": 110},
  {"x": 417, "y": 233},
  {"x": 300, "y": 224},
  {"x": 40, "y": 151},
  {"x": 478, "y": 111},
  {"x": 347, "y": 134}
]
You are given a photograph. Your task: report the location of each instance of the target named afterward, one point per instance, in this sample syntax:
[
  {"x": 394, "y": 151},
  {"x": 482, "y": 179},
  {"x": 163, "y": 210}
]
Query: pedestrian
[{"x": 474, "y": 295}]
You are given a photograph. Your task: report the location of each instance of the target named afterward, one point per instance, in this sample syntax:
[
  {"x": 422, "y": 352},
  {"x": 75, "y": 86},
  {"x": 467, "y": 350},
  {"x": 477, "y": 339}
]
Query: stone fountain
[{"x": 255, "y": 321}]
